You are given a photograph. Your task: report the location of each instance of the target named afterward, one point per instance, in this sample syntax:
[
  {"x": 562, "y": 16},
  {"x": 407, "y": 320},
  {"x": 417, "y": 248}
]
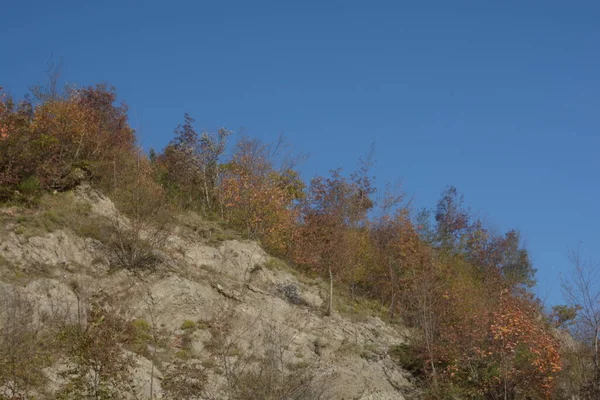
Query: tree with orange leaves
[
  {"x": 82, "y": 130},
  {"x": 257, "y": 198},
  {"x": 506, "y": 353}
]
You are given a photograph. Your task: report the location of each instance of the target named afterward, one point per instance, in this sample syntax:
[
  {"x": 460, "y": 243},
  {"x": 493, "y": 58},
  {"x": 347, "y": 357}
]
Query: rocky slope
[{"x": 211, "y": 300}]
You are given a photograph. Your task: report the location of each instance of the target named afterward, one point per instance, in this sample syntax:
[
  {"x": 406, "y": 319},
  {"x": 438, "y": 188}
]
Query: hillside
[
  {"x": 165, "y": 253},
  {"x": 215, "y": 318}
]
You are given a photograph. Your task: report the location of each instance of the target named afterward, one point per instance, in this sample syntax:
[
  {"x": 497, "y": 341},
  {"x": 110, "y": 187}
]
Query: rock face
[{"x": 223, "y": 306}]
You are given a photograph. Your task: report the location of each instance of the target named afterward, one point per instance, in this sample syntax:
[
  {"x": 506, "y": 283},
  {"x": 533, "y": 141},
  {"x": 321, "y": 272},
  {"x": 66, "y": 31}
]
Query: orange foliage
[
  {"x": 84, "y": 129},
  {"x": 258, "y": 199},
  {"x": 506, "y": 348},
  {"x": 527, "y": 352}
]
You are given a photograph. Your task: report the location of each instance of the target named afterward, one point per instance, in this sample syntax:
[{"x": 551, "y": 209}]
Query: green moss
[
  {"x": 51, "y": 213},
  {"x": 188, "y": 325},
  {"x": 142, "y": 336},
  {"x": 183, "y": 354},
  {"x": 275, "y": 264},
  {"x": 203, "y": 324}
]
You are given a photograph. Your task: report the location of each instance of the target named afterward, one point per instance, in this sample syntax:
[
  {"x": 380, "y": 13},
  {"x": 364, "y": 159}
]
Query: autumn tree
[
  {"x": 503, "y": 253},
  {"x": 523, "y": 350},
  {"x": 397, "y": 246},
  {"x": 335, "y": 210},
  {"x": 63, "y": 140},
  {"x": 19, "y": 150},
  {"x": 452, "y": 220},
  {"x": 259, "y": 198},
  {"x": 468, "y": 271},
  {"x": 191, "y": 163}
]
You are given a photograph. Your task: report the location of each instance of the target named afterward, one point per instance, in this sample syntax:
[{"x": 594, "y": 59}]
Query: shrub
[
  {"x": 137, "y": 240},
  {"x": 188, "y": 325},
  {"x": 408, "y": 357},
  {"x": 99, "y": 366},
  {"x": 185, "y": 380},
  {"x": 24, "y": 346}
]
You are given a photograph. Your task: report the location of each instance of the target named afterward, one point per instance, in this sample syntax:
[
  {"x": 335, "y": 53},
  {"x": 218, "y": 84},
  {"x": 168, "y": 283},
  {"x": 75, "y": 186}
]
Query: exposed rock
[
  {"x": 101, "y": 204},
  {"x": 54, "y": 300},
  {"x": 74, "y": 178},
  {"x": 146, "y": 380},
  {"x": 174, "y": 300},
  {"x": 228, "y": 297},
  {"x": 58, "y": 248}
]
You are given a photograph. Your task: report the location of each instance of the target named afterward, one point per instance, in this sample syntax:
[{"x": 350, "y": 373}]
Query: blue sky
[{"x": 500, "y": 99}]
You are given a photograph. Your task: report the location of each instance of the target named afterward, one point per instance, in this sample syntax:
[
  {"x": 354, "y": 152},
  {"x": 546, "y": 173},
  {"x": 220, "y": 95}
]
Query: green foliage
[
  {"x": 188, "y": 325},
  {"x": 143, "y": 337},
  {"x": 99, "y": 366},
  {"x": 409, "y": 358},
  {"x": 29, "y": 190},
  {"x": 25, "y": 348},
  {"x": 563, "y": 316}
]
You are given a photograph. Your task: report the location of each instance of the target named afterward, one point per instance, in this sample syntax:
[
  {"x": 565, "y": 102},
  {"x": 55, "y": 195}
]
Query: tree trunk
[{"x": 330, "y": 300}]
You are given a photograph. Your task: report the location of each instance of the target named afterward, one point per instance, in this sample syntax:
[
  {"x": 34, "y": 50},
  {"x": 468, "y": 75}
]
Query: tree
[
  {"x": 334, "y": 208},
  {"x": 50, "y": 91},
  {"x": 99, "y": 367},
  {"x": 258, "y": 198},
  {"x": 192, "y": 165},
  {"x": 397, "y": 250},
  {"x": 504, "y": 254},
  {"x": 563, "y": 316},
  {"x": 524, "y": 351},
  {"x": 496, "y": 348},
  {"x": 182, "y": 163},
  {"x": 63, "y": 140},
  {"x": 452, "y": 220},
  {"x": 582, "y": 292}
]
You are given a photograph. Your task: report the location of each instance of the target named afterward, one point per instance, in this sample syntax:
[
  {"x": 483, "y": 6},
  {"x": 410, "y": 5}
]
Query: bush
[
  {"x": 60, "y": 141},
  {"x": 99, "y": 366},
  {"x": 29, "y": 190},
  {"x": 409, "y": 358},
  {"x": 24, "y": 346},
  {"x": 137, "y": 240},
  {"x": 188, "y": 325},
  {"x": 184, "y": 380}
]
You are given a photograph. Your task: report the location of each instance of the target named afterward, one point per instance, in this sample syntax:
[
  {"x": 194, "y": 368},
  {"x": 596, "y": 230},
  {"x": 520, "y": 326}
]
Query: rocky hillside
[{"x": 213, "y": 317}]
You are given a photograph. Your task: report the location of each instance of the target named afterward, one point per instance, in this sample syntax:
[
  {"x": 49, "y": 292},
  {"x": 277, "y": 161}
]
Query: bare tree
[
  {"x": 582, "y": 292},
  {"x": 50, "y": 90}
]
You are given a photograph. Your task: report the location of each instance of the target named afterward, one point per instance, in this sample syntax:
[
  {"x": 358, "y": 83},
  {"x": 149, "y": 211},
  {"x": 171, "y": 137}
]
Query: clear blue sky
[{"x": 500, "y": 99}]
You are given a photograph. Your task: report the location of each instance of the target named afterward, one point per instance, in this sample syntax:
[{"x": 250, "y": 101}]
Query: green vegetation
[
  {"x": 408, "y": 357},
  {"x": 188, "y": 325}
]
